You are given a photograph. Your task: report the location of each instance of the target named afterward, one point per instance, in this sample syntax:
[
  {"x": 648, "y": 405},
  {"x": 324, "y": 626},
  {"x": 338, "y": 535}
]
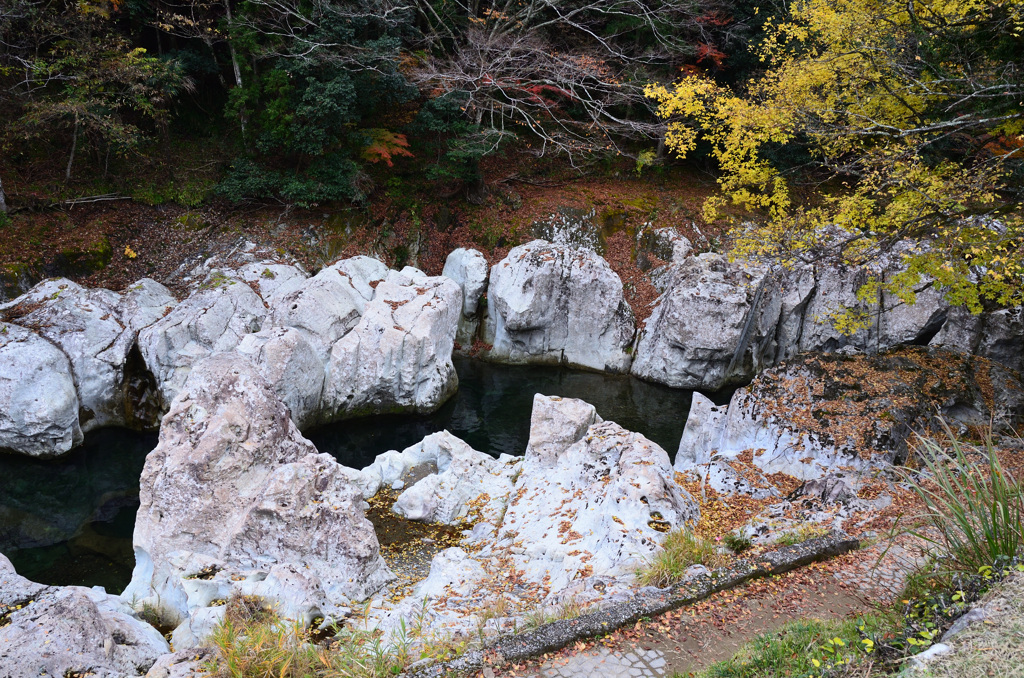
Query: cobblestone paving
[{"x": 605, "y": 662}]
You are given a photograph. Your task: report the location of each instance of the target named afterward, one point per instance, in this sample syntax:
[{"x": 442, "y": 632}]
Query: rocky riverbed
[{"x": 235, "y": 499}]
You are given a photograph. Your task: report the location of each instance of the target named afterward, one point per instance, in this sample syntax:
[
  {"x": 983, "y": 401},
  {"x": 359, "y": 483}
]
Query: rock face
[
  {"x": 719, "y": 322},
  {"x": 713, "y": 325},
  {"x": 398, "y": 357},
  {"x": 38, "y": 402},
  {"x": 592, "y": 499},
  {"x": 70, "y": 630},
  {"x": 232, "y": 494},
  {"x": 96, "y": 330},
  {"x": 328, "y": 305},
  {"x": 468, "y": 268},
  {"x": 285, "y": 359},
  {"x": 828, "y": 413},
  {"x": 552, "y": 304},
  {"x": 213, "y": 319}
]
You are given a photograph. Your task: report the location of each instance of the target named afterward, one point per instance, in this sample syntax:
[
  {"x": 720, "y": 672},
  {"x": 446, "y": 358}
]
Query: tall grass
[
  {"x": 681, "y": 549},
  {"x": 975, "y": 510}
]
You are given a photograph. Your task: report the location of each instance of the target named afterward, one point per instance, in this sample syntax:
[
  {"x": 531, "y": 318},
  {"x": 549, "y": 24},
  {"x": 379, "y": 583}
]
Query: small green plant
[
  {"x": 737, "y": 543},
  {"x": 681, "y": 549},
  {"x": 974, "y": 510}
]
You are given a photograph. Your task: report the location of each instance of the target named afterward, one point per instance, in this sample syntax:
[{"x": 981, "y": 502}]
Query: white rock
[
  {"x": 398, "y": 357},
  {"x": 143, "y": 303},
  {"x": 272, "y": 279},
  {"x": 467, "y": 486},
  {"x": 85, "y": 325},
  {"x": 590, "y": 506},
  {"x": 289, "y": 363},
  {"x": 232, "y": 484},
  {"x": 182, "y": 664},
  {"x": 552, "y": 304},
  {"x": 328, "y": 305},
  {"x": 714, "y": 325},
  {"x": 468, "y": 268},
  {"x": 38, "y": 401},
  {"x": 64, "y": 629},
  {"x": 213, "y": 319}
]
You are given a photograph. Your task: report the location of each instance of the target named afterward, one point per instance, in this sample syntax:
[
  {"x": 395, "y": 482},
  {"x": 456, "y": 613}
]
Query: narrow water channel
[{"x": 70, "y": 521}]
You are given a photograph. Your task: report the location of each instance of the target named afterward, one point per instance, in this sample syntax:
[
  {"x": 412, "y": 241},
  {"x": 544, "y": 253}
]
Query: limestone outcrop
[
  {"x": 328, "y": 305},
  {"x": 720, "y": 322},
  {"x": 468, "y": 268},
  {"x": 234, "y": 498},
  {"x": 553, "y": 304},
  {"x": 70, "y": 630},
  {"x": 460, "y": 485},
  {"x": 213, "y": 319},
  {"x": 713, "y": 325},
  {"x": 96, "y": 330},
  {"x": 800, "y": 418},
  {"x": 38, "y": 401},
  {"x": 397, "y": 358}
]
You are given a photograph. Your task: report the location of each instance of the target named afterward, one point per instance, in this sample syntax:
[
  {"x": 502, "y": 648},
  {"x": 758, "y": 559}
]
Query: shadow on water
[
  {"x": 491, "y": 411},
  {"x": 70, "y": 520}
]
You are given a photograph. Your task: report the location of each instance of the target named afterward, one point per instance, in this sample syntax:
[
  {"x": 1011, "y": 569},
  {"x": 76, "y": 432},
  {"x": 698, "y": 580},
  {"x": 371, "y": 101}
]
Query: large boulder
[
  {"x": 398, "y": 357},
  {"x": 38, "y": 401},
  {"x": 468, "y": 268},
  {"x": 232, "y": 494},
  {"x": 714, "y": 325},
  {"x": 96, "y": 330},
  {"x": 70, "y": 631},
  {"x": 328, "y": 305},
  {"x": 592, "y": 499},
  {"x": 286, "y": 359},
  {"x": 214, "y": 318},
  {"x": 832, "y": 413},
  {"x": 553, "y": 304}
]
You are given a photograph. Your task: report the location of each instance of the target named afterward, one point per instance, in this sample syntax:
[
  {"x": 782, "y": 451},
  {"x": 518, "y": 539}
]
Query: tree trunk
[
  {"x": 3, "y": 198},
  {"x": 234, "y": 61},
  {"x": 71, "y": 158}
]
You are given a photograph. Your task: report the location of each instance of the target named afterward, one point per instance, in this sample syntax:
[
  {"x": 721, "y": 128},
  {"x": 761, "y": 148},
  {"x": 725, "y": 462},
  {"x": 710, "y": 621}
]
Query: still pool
[{"x": 70, "y": 521}]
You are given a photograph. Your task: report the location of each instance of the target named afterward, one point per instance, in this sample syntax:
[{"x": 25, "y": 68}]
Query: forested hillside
[{"x": 884, "y": 122}]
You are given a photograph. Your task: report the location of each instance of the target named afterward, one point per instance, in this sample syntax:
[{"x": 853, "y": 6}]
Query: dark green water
[
  {"x": 491, "y": 412},
  {"x": 70, "y": 521}
]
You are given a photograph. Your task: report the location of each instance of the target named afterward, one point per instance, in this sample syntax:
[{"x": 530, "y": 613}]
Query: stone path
[{"x": 605, "y": 662}]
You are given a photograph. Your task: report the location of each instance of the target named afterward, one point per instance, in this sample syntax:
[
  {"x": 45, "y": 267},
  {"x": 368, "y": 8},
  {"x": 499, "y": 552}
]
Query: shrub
[
  {"x": 973, "y": 511},
  {"x": 681, "y": 549}
]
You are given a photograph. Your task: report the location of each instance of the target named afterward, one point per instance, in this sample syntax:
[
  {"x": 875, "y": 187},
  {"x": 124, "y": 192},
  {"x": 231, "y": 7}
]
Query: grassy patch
[
  {"x": 801, "y": 534},
  {"x": 803, "y": 649},
  {"x": 681, "y": 549},
  {"x": 254, "y": 642}
]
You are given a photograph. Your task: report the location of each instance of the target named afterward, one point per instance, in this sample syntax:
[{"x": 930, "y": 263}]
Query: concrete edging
[{"x": 559, "y": 634}]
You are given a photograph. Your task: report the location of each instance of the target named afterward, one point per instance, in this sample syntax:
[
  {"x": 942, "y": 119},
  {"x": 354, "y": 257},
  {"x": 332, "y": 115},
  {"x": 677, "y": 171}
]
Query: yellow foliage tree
[{"x": 912, "y": 114}]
